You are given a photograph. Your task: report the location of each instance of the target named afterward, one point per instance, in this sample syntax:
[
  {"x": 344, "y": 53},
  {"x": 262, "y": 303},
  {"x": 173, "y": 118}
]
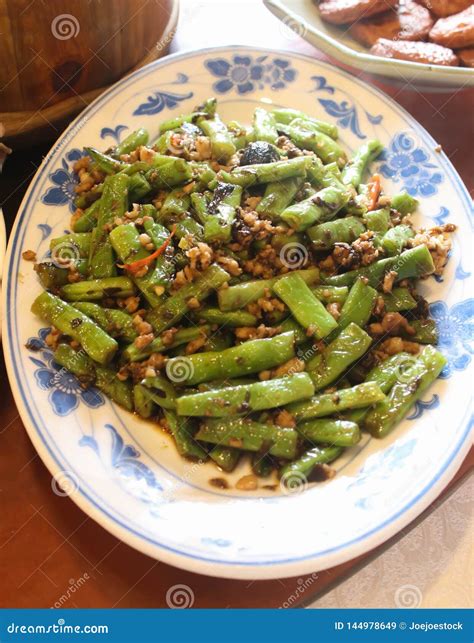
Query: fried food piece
[
  {"x": 443, "y": 8},
  {"x": 466, "y": 56},
  {"x": 417, "y": 52},
  {"x": 410, "y": 21},
  {"x": 455, "y": 31},
  {"x": 340, "y": 12}
]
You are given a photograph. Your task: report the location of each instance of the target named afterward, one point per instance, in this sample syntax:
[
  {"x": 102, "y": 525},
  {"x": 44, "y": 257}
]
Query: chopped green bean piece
[
  {"x": 239, "y": 296},
  {"x": 95, "y": 341},
  {"x": 295, "y": 473},
  {"x": 424, "y": 371},
  {"x": 247, "y": 398},
  {"x": 338, "y": 433},
  {"x": 359, "y": 396},
  {"x": 249, "y": 435},
  {"x": 348, "y": 347},
  {"x": 250, "y": 357},
  {"x": 304, "y": 305}
]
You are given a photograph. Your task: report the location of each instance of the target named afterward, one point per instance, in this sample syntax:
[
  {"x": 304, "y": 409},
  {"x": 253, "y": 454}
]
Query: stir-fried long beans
[{"x": 249, "y": 287}]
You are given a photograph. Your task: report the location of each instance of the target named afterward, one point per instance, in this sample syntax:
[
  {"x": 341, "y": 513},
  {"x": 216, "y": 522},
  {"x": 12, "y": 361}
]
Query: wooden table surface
[{"x": 52, "y": 554}]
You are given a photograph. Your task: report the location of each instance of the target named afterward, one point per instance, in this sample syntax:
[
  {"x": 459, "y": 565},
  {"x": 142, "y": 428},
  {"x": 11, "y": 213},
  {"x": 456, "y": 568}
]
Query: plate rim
[
  {"x": 459, "y": 77},
  {"x": 3, "y": 249},
  {"x": 199, "y": 564}
]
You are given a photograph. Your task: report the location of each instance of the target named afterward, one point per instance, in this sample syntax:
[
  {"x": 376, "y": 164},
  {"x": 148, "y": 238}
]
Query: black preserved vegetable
[{"x": 258, "y": 153}]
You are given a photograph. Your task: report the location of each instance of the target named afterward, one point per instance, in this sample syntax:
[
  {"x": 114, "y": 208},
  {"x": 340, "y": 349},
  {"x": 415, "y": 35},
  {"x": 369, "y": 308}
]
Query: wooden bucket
[{"x": 58, "y": 55}]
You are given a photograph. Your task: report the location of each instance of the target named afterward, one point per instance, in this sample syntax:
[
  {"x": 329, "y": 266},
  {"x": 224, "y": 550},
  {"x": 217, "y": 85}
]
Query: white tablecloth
[{"x": 430, "y": 566}]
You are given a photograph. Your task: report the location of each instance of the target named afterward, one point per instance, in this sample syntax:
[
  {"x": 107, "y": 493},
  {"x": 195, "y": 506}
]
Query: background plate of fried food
[{"x": 429, "y": 43}]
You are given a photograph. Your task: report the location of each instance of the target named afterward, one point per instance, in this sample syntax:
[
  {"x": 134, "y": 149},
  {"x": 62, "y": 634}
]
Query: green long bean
[
  {"x": 250, "y": 357},
  {"x": 287, "y": 116},
  {"x": 249, "y": 435},
  {"x": 95, "y": 341},
  {"x": 318, "y": 208},
  {"x": 97, "y": 289},
  {"x": 105, "y": 379},
  {"x": 359, "y": 396},
  {"x": 424, "y": 371},
  {"x": 183, "y": 432},
  {"x": 338, "y": 433},
  {"x": 325, "y": 235},
  {"x": 113, "y": 203},
  {"x": 328, "y": 150},
  {"x": 304, "y": 305},
  {"x": 349, "y": 346},
  {"x": 240, "y": 295},
  {"x": 297, "y": 472},
  {"x": 264, "y": 126},
  {"x": 175, "y": 307},
  {"x": 117, "y": 323},
  {"x": 278, "y": 196},
  {"x": 353, "y": 173},
  {"x": 134, "y": 354},
  {"x": 247, "y": 398},
  {"x": 415, "y": 262},
  {"x": 358, "y": 306},
  {"x": 248, "y": 175}
]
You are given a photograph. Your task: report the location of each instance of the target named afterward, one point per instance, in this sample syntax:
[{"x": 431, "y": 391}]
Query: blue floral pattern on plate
[
  {"x": 392, "y": 459},
  {"x": 157, "y": 102},
  {"x": 442, "y": 215},
  {"x": 422, "y": 406},
  {"x": 245, "y": 74},
  {"x": 456, "y": 333},
  {"x": 113, "y": 132},
  {"x": 131, "y": 472},
  {"x": 460, "y": 273},
  {"x": 217, "y": 542},
  {"x": 409, "y": 163},
  {"x": 125, "y": 458},
  {"x": 64, "y": 181},
  {"x": 45, "y": 230},
  {"x": 322, "y": 85},
  {"x": 345, "y": 112},
  {"x": 161, "y": 99},
  {"x": 65, "y": 390}
]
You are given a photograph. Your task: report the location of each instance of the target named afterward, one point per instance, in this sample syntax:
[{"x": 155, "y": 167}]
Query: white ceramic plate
[
  {"x": 125, "y": 473},
  {"x": 3, "y": 245},
  {"x": 302, "y": 17}
]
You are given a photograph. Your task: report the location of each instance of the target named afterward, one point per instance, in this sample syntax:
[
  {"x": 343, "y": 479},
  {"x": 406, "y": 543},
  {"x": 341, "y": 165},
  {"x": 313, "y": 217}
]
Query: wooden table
[{"x": 52, "y": 554}]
